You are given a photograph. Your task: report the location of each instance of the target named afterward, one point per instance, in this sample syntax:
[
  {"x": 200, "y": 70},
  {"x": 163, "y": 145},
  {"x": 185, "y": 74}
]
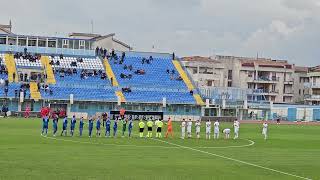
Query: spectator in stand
[
  {"x": 168, "y": 71},
  {"x": 179, "y": 78},
  {"x": 173, "y": 71},
  {"x": 105, "y": 52},
  {"x": 97, "y": 51},
  {"x": 6, "y": 91},
  {"x": 74, "y": 71},
  {"x": 143, "y": 60},
  {"x": 150, "y": 59},
  {"x": 125, "y": 67},
  {"x": 61, "y": 56},
  {"x": 103, "y": 76},
  {"x": 25, "y": 50},
  {"x": 126, "y": 89},
  {"x": 140, "y": 72},
  {"x": 122, "y": 57},
  {"x": 173, "y": 56},
  {"x": 58, "y": 63},
  {"x": 191, "y": 93},
  {"x": 113, "y": 54},
  {"x": 130, "y": 67},
  {"x": 14, "y": 76}
]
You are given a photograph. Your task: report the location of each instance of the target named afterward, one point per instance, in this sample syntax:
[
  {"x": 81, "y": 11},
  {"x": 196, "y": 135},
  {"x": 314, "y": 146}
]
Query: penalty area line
[{"x": 232, "y": 159}]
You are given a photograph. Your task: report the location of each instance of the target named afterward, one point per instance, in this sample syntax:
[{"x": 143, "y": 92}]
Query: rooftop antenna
[
  {"x": 91, "y": 26},
  {"x": 10, "y": 24}
]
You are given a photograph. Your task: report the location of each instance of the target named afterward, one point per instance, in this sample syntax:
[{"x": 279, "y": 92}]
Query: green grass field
[{"x": 291, "y": 149}]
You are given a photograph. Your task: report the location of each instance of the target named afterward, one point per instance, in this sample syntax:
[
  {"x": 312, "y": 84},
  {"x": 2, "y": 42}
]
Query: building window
[
  {"x": 194, "y": 71},
  {"x": 82, "y": 42},
  {"x": 209, "y": 82},
  {"x": 229, "y": 75},
  {"x": 83, "y": 106},
  {"x": 52, "y": 44},
  {"x": 230, "y": 84},
  {"x": 299, "y": 91},
  {"x": 22, "y": 42},
  {"x": 65, "y": 43},
  {"x": 273, "y": 88},
  {"x": 32, "y": 42},
  {"x": 3, "y": 41},
  {"x": 42, "y": 43}
]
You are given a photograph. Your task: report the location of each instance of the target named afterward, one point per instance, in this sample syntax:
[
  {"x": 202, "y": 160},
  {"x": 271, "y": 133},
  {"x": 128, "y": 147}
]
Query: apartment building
[
  {"x": 313, "y": 98},
  {"x": 271, "y": 80},
  {"x": 205, "y": 71},
  {"x": 300, "y": 84}
]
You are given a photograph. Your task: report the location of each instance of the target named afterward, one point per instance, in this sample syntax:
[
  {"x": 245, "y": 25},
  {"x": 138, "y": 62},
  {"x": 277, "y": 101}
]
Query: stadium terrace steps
[
  {"x": 198, "y": 99},
  {"x": 11, "y": 66},
  {"x": 120, "y": 95},
  {"x": 35, "y": 94},
  {"x": 183, "y": 75},
  {"x": 187, "y": 81},
  {"x": 110, "y": 73},
  {"x": 48, "y": 68}
]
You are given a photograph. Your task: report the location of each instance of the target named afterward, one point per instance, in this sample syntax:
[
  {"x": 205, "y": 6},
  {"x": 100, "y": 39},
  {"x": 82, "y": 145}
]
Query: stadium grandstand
[
  {"x": 84, "y": 79},
  {"x": 86, "y": 74}
]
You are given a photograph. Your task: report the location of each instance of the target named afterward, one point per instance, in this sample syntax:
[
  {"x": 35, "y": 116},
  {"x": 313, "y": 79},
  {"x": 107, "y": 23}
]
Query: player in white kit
[
  {"x": 265, "y": 130},
  {"x": 226, "y": 133},
  {"x": 236, "y": 126},
  {"x": 216, "y": 129},
  {"x": 189, "y": 127},
  {"x": 208, "y": 129},
  {"x": 198, "y": 126},
  {"x": 183, "y": 129}
]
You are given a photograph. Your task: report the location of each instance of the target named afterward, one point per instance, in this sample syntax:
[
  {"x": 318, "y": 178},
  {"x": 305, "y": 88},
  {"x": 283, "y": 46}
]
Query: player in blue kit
[
  {"x": 98, "y": 125},
  {"x": 73, "y": 125},
  {"x": 90, "y": 126},
  {"x": 81, "y": 126},
  {"x": 45, "y": 123},
  {"x": 115, "y": 127},
  {"x": 130, "y": 126},
  {"x": 108, "y": 124},
  {"x": 55, "y": 125},
  {"x": 64, "y": 126}
]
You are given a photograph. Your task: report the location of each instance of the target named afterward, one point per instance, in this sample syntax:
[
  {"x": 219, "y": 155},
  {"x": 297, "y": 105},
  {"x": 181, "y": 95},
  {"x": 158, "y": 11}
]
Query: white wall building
[
  {"x": 105, "y": 41},
  {"x": 205, "y": 72}
]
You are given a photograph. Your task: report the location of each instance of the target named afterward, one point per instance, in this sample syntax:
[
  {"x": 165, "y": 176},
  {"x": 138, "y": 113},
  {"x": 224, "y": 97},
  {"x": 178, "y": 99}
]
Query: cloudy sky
[{"x": 280, "y": 29}]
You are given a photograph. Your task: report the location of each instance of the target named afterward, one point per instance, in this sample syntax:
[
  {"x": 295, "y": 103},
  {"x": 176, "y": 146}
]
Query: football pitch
[{"x": 291, "y": 152}]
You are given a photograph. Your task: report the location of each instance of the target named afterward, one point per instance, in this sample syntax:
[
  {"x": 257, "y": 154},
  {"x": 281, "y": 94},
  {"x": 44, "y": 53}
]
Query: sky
[{"x": 277, "y": 29}]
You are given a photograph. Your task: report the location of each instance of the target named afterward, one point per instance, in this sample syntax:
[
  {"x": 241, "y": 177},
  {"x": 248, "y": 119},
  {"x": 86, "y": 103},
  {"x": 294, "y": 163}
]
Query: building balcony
[
  {"x": 264, "y": 80},
  {"x": 288, "y": 81},
  {"x": 312, "y": 97},
  {"x": 315, "y": 85},
  {"x": 265, "y": 92},
  {"x": 288, "y": 93}
]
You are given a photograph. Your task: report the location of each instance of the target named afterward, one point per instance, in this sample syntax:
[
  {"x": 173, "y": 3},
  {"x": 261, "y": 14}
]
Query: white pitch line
[
  {"x": 110, "y": 144},
  {"x": 236, "y": 160},
  {"x": 142, "y": 146},
  {"x": 240, "y": 146}
]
